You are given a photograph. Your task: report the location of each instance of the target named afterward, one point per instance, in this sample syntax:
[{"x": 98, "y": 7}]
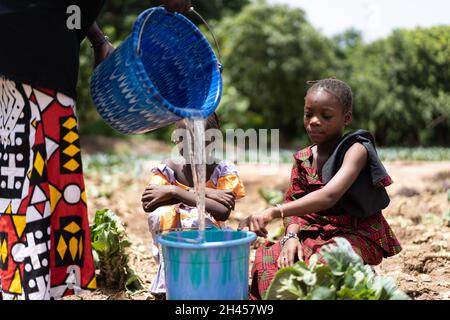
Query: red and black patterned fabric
[
  {"x": 371, "y": 238},
  {"x": 45, "y": 244}
]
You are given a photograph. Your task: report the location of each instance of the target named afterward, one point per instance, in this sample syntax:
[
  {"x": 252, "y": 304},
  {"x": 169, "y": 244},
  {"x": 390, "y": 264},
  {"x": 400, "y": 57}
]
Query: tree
[
  {"x": 401, "y": 84},
  {"x": 270, "y": 52},
  {"x": 402, "y": 87}
]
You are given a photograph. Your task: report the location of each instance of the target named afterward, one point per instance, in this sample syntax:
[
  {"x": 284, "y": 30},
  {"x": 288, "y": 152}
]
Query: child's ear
[{"x": 348, "y": 118}]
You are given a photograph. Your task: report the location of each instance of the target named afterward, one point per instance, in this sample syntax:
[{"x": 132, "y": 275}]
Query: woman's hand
[
  {"x": 155, "y": 194},
  {"x": 258, "y": 223},
  {"x": 99, "y": 43},
  {"x": 225, "y": 197},
  {"x": 289, "y": 251},
  {"x": 177, "y": 5},
  {"x": 102, "y": 51}
]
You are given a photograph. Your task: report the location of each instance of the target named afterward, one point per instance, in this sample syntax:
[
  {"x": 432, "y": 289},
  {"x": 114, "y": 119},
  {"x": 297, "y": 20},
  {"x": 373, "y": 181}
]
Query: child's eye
[
  {"x": 308, "y": 115},
  {"x": 327, "y": 117}
]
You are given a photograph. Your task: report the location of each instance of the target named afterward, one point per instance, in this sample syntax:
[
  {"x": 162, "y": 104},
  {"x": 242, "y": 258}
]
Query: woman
[{"x": 45, "y": 249}]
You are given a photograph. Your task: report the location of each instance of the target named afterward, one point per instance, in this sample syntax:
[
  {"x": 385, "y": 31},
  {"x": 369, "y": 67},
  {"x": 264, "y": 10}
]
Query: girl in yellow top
[{"x": 170, "y": 199}]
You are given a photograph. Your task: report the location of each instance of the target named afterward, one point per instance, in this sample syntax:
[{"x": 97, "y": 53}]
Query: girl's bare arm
[{"x": 354, "y": 162}]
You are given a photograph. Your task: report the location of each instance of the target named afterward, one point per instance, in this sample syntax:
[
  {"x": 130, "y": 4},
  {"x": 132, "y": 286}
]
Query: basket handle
[
  {"x": 138, "y": 49},
  {"x": 213, "y": 36}
]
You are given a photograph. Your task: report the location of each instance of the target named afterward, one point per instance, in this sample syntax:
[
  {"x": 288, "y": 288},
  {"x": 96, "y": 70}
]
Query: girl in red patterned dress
[{"x": 336, "y": 190}]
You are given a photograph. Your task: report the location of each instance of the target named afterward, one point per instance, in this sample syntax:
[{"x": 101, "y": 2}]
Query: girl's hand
[
  {"x": 155, "y": 194},
  {"x": 290, "y": 250},
  {"x": 177, "y": 5},
  {"x": 102, "y": 51},
  {"x": 258, "y": 223},
  {"x": 225, "y": 197}
]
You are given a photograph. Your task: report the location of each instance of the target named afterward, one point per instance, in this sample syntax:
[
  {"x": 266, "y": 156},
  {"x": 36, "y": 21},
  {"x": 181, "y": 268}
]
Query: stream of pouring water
[{"x": 197, "y": 158}]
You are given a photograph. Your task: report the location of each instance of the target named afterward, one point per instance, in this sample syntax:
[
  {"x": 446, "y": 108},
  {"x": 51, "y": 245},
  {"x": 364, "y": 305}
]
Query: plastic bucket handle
[
  {"x": 160, "y": 232},
  {"x": 138, "y": 47}
]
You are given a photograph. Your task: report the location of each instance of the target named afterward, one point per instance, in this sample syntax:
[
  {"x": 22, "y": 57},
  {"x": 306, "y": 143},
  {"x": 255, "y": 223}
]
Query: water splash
[{"x": 197, "y": 160}]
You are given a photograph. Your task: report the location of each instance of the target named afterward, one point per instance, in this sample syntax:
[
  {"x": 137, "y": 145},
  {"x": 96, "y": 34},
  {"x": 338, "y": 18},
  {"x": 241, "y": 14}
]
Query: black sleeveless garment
[{"x": 36, "y": 45}]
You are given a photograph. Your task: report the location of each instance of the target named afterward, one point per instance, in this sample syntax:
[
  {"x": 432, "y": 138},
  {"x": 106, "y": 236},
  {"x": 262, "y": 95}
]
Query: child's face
[
  {"x": 324, "y": 116},
  {"x": 182, "y": 140}
]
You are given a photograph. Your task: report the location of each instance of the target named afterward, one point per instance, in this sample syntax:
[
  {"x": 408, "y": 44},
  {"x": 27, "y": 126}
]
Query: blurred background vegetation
[{"x": 401, "y": 83}]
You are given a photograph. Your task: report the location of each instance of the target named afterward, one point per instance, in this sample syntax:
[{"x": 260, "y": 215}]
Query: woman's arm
[
  {"x": 99, "y": 43},
  {"x": 95, "y": 34},
  {"x": 354, "y": 162}
]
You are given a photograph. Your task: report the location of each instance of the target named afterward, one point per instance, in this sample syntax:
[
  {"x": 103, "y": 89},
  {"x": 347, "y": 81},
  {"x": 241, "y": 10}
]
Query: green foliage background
[{"x": 401, "y": 83}]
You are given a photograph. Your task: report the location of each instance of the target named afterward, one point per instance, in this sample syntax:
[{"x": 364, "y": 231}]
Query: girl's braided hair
[{"x": 338, "y": 88}]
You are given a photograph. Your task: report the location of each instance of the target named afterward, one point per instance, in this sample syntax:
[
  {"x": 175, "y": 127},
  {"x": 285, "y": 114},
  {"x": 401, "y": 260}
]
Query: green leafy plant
[
  {"x": 344, "y": 277},
  {"x": 109, "y": 248},
  {"x": 272, "y": 196}
]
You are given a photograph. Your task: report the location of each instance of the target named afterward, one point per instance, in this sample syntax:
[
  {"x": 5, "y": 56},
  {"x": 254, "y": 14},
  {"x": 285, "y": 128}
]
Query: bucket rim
[
  {"x": 152, "y": 90},
  {"x": 249, "y": 237}
]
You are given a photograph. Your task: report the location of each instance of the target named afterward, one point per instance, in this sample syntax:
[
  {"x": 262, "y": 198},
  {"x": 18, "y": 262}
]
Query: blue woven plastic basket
[{"x": 164, "y": 71}]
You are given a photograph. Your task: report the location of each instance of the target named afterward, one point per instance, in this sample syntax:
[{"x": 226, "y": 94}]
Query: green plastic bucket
[{"x": 215, "y": 269}]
